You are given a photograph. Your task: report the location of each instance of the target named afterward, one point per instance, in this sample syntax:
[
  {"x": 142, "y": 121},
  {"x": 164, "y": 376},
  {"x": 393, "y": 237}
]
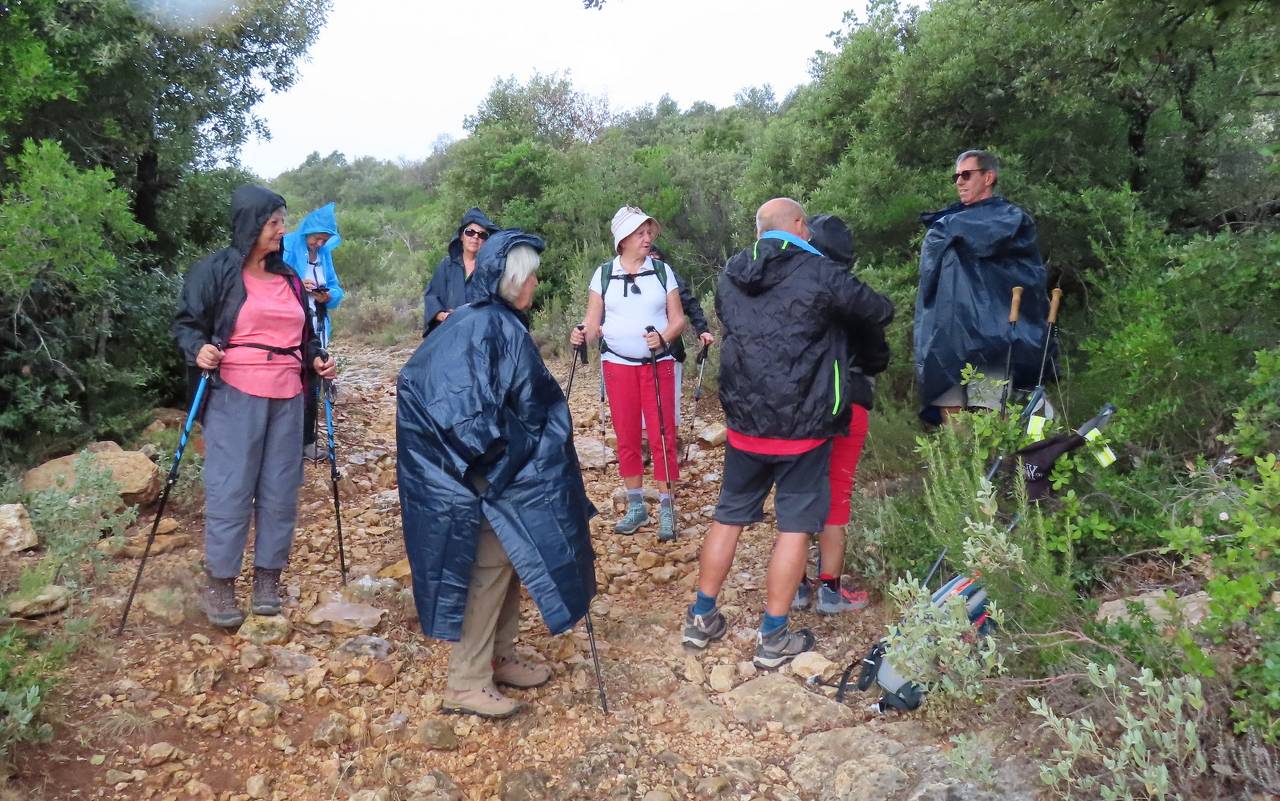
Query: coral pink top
[{"x": 271, "y": 315}]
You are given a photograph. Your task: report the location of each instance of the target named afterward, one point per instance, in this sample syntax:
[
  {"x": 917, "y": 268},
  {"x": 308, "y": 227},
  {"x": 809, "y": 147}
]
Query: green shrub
[
  {"x": 1157, "y": 754},
  {"x": 1242, "y": 543},
  {"x": 24, "y": 685}
]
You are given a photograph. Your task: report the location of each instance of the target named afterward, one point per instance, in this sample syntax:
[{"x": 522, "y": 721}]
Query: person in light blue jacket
[{"x": 308, "y": 249}]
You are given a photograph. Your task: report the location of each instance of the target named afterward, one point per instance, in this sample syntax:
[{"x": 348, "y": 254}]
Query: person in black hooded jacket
[
  {"x": 244, "y": 313},
  {"x": 448, "y": 287},
  {"x": 869, "y": 352},
  {"x": 784, "y": 378}
]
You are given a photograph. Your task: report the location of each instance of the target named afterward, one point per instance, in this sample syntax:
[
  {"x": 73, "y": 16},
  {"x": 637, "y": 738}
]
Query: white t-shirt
[{"x": 626, "y": 315}]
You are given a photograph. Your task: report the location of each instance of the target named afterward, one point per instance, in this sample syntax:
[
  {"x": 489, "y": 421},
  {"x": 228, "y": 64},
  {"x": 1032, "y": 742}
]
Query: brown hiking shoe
[
  {"x": 218, "y": 599},
  {"x": 513, "y": 671},
  {"x": 266, "y": 591},
  {"x": 486, "y": 702}
]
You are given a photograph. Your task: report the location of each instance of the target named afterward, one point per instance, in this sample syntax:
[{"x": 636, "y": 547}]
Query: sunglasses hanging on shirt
[{"x": 629, "y": 285}]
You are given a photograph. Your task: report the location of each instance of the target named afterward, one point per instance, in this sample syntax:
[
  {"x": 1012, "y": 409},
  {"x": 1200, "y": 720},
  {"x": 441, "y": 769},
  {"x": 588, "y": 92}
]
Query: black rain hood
[
  {"x": 483, "y": 433},
  {"x": 251, "y": 207},
  {"x": 765, "y": 266},
  {"x": 473, "y": 215},
  {"x": 970, "y": 260}
]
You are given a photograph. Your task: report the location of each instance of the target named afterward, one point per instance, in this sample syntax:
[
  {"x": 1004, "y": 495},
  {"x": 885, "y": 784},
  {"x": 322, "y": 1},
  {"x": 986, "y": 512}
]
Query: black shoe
[
  {"x": 218, "y": 598},
  {"x": 701, "y": 630},
  {"x": 266, "y": 591},
  {"x": 776, "y": 649}
]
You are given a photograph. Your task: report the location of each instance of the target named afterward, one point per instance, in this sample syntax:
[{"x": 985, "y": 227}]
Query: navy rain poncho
[
  {"x": 448, "y": 287},
  {"x": 971, "y": 259},
  {"x": 482, "y": 429}
]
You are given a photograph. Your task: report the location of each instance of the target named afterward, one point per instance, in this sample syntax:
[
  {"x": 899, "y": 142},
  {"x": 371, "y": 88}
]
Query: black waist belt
[
  {"x": 604, "y": 348},
  {"x": 272, "y": 350}
]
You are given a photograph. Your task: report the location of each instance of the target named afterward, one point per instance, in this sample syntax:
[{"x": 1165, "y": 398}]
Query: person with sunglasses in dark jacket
[{"x": 448, "y": 287}]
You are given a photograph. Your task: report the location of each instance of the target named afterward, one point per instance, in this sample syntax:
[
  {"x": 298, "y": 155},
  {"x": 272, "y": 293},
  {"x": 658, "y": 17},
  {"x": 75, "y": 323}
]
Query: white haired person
[
  {"x": 490, "y": 488},
  {"x": 626, "y": 297}
]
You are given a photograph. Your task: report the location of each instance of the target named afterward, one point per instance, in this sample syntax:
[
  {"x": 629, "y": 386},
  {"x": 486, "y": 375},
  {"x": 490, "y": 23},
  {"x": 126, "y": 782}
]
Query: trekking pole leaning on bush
[
  {"x": 206, "y": 378},
  {"x": 579, "y": 352},
  {"x": 334, "y": 476},
  {"x": 1014, "y": 304},
  {"x": 697, "y": 396},
  {"x": 662, "y": 430},
  {"x": 1039, "y": 395}
]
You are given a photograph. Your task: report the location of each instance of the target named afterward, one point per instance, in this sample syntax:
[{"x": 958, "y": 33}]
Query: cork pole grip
[
  {"x": 1015, "y": 304},
  {"x": 1055, "y": 299}
]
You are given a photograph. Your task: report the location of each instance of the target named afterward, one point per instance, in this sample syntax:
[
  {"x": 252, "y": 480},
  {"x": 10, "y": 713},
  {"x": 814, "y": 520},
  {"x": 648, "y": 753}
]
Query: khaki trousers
[{"x": 491, "y": 618}]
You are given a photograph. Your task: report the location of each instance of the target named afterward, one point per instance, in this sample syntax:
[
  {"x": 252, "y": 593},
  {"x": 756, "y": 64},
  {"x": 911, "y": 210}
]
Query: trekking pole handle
[
  {"x": 702, "y": 354},
  {"x": 581, "y": 349},
  {"x": 651, "y": 330},
  {"x": 1014, "y": 304},
  {"x": 1055, "y": 299}
]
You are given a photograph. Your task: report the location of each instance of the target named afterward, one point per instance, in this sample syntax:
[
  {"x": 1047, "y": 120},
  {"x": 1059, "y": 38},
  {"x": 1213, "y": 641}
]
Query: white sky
[{"x": 385, "y": 78}]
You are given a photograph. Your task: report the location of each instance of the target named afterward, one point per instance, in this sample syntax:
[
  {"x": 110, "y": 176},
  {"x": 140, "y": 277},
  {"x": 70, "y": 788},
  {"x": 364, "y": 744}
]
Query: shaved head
[{"x": 782, "y": 214}]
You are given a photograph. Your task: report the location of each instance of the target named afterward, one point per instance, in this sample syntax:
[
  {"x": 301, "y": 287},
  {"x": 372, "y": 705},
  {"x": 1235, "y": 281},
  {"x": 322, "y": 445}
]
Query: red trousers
[
  {"x": 630, "y": 391},
  {"x": 845, "y": 451}
]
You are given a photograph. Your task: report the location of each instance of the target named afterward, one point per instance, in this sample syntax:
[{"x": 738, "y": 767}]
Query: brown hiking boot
[
  {"x": 266, "y": 591},
  {"x": 513, "y": 671},
  {"x": 486, "y": 702},
  {"x": 218, "y": 599}
]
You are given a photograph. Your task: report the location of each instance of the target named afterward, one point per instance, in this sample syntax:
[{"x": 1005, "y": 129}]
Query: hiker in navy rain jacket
[
  {"x": 448, "y": 288},
  {"x": 487, "y": 467},
  {"x": 974, "y": 253}
]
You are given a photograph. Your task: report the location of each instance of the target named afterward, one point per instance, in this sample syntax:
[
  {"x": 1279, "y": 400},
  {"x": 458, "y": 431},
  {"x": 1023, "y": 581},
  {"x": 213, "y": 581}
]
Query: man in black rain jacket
[
  {"x": 974, "y": 253},
  {"x": 787, "y": 312}
]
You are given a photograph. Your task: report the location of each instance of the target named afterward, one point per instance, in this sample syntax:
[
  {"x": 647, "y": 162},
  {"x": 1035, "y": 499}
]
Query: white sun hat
[{"x": 626, "y": 221}]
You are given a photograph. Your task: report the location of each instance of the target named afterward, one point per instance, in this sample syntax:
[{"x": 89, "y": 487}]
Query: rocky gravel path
[{"x": 340, "y": 698}]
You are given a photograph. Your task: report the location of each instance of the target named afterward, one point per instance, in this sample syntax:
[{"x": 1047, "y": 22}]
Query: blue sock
[
  {"x": 704, "y": 604},
  {"x": 664, "y": 499},
  {"x": 771, "y": 623},
  {"x": 635, "y": 496}
]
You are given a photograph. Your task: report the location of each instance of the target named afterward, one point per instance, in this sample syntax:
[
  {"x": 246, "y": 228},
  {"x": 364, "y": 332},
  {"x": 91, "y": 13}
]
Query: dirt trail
[{"x": 176, "y": 709}]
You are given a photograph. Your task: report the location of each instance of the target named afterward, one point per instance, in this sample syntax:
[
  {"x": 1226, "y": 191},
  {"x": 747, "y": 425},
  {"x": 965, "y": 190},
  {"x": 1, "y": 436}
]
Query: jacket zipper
[{"x": 835, "y": 365}]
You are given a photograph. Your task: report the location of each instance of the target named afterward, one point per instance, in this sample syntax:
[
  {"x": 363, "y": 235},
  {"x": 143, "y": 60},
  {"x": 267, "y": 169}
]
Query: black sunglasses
[
  {"x": 474, "y": 233},
  {"x": 964, "y": 175}
]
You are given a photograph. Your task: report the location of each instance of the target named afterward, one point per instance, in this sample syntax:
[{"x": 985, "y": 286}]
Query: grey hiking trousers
[{"x": 252, "y": 468}]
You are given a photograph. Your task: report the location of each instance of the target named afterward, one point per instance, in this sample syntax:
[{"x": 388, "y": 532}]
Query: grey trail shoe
[
  {"x": 635, "y": 517},
  {"x": 218, "y": 598},
  {"x": 776, "y": 649},
  {"x": 266, "y": 591},
  {"x": 804, "y": 594},
  {"x": 701, "y": 630},
  {"x": 666, "y": 524}
]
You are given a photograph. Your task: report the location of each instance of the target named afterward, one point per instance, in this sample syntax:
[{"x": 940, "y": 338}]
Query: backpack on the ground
[{"x": 901, "y": 693}]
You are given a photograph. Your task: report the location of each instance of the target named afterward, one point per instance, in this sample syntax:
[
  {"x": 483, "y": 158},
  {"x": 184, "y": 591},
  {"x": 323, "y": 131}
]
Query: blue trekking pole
[
  {"x": 334, "y": 475},
  {"x": 205, "y": 379}
]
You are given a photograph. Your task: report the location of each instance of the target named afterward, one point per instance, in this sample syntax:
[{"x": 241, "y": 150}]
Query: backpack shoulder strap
[
  {"x": 662, "y": 273},
  {"x": 606, "y": 272}
]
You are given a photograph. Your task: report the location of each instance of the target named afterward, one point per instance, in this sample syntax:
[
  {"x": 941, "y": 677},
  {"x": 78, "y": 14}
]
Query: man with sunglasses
[
  {"x": 448, "y": 288},
  {"x": 974, "y": 253}
]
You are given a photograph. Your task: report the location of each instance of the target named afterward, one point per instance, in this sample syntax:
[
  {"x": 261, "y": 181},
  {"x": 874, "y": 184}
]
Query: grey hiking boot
[
  {"x": 804, "y": 594},
  {"x": 834, "y": 602},
  {"x": 701, "y": 630},
  {"x": 776, "y": 649},
  {"x": 218, "y": 599},
  {"x": 637, "y": 515},
  {"x": 314, "y": 453},
  {"x": 666, "y": 523},
  {"x": 266, "y": 591}
]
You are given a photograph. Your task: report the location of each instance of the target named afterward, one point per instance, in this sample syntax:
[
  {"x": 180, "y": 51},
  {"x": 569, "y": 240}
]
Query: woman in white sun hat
[{"x": 627, "y": 295}]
